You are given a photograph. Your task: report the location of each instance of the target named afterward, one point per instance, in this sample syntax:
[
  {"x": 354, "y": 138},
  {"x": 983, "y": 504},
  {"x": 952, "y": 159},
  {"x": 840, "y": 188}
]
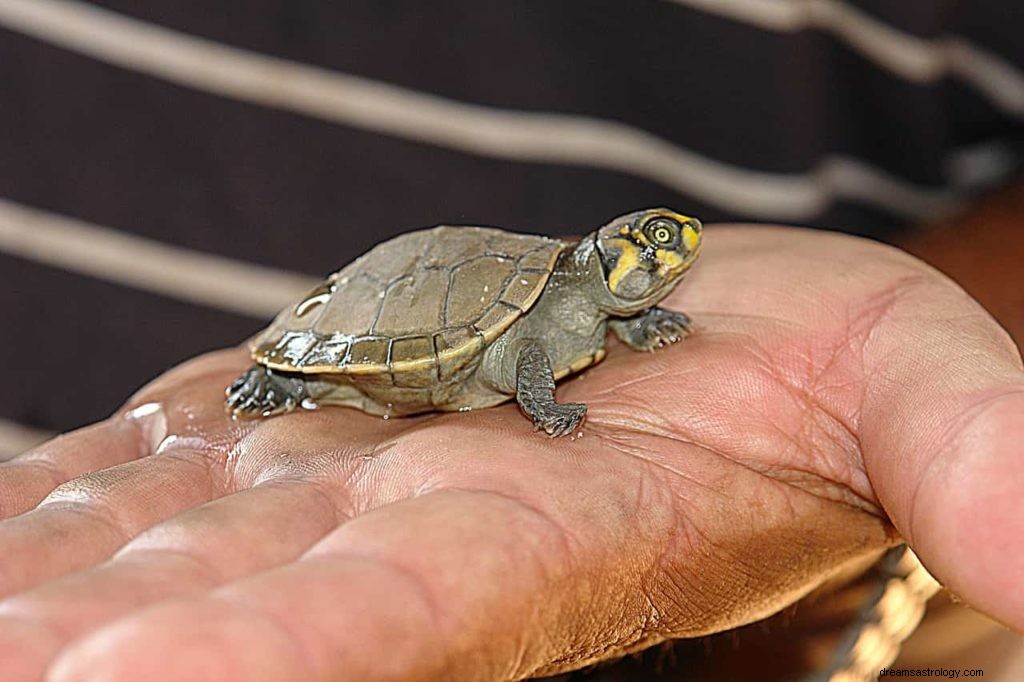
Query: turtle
[{"x": 461, "y": 318}]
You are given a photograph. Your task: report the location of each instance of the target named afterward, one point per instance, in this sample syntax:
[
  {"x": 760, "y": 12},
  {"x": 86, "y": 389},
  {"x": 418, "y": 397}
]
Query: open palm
[{"x": 834, "y": 388}]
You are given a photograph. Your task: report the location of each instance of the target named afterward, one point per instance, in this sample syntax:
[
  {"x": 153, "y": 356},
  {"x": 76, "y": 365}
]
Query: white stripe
[
  {"x": 16, "y": 439},
  {"x": 388, "y": 109},
  {"x": 977, "y": 165},
  {"x": 907, "y": 56},
  {"x": 144, "y": 264}
]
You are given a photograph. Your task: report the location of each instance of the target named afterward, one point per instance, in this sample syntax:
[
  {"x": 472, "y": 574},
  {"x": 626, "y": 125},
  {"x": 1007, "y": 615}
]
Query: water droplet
[
  {"x": 465, "y": 408},
  {"x": 166, "y": 444},
  {"x": 144, "y": 410},
  {"x": 153, "y": 422},
  {"x": 523, "y": 282},
  {"x": 173, "y": 442},
  {"x": 387, "y": 417}
]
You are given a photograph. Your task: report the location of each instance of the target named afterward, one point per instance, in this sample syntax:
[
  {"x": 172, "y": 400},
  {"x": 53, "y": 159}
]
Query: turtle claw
[
  {"x": 559, "y": 419},
  {"x": 262, "y": 393},
  {"x": 653, "y": 329},
  {"x": 670, "y": 327},
  {"x": 287, "y": 405}
]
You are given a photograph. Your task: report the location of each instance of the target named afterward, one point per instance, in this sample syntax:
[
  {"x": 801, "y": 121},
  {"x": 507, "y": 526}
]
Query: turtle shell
[{"x": 431, "y": 299}]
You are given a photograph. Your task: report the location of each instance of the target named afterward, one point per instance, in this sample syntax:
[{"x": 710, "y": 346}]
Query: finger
[
  {"x": 358, "y": 602},
  {"x": 138, "y": 430},
  {"x": 194, "y": 551},
  {"x": 943, "y": 442},
  {"x": 85, "y": 520},
  {"x": 27, "y": 479},
  {"x": 183, "y": 441},
  {"x": 577, "y": 572}
]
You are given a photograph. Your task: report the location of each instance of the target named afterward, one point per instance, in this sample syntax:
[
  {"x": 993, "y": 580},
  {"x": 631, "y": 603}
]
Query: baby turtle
[{"x": 459, "y": 318}]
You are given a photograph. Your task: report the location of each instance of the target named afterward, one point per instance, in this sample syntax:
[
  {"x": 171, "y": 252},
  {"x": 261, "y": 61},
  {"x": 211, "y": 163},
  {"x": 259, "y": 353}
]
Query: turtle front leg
[
  {"x": 261, "y": 392},
  {"x": 535, "y": 393},
  {"x": 653, "y": 328}
]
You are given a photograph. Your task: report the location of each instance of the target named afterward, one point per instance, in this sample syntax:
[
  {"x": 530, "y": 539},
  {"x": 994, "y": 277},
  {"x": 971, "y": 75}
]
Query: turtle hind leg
[
  {"x": 261, "y": 392},
  {"x": 535, "y": 393}
]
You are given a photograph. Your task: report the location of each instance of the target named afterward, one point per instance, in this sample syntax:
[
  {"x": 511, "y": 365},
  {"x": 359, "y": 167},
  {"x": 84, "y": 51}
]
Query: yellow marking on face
[
  {"x": 624, "y": 230},
  {"x": 691, "y": 239},
  {"x": 628, "y": 260},
  {"x": 672, "y": 259},
  {"x": 641, "y": 237}
]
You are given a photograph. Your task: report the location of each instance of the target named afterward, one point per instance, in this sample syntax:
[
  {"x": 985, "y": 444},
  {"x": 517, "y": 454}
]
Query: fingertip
[
  {"x": 198, "y": 641},
  {"x": 29, "y": 478},
  {"x": 24, "y": 648}
]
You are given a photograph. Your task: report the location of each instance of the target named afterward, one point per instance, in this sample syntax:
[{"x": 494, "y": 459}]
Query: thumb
[{"x": 943, "y": 443}]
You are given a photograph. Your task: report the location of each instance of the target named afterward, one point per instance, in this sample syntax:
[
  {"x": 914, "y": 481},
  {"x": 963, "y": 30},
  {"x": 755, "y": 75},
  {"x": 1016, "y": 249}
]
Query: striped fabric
[{"x": 173, "y": 172}]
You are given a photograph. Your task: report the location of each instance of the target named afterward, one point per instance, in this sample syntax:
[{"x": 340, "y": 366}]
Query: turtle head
[{"x": 645, "y": 254}]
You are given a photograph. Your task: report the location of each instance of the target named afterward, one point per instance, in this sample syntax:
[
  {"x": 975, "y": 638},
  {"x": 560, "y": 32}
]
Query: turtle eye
[{"x": 662, "y": 231}]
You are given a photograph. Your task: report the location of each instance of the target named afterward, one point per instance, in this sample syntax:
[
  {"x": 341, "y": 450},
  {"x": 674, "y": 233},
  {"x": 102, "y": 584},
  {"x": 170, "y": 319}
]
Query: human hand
[{"x": 833, "y": 385}]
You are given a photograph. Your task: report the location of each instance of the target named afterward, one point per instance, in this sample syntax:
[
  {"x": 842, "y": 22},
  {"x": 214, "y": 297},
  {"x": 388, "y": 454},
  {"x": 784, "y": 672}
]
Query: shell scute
[
  {"x": 293, "y": 347},
  {"x": 414, "y": 362},
  {"x": 328, "y": 353},
  {"x": 450, "y": 340},
  {"x": 352, "y": 308},
  {"x": 416, "y": 350},
  {"x": 490, "y": 325},
  {"x": 524, "y": 289},
  {"x": 538, "y": 260},
  {"x": 448, "y": 246},
  {"x": 456, "y": 349},
  {"x": 474, "y": 284},
  {"x": 369, "y": 355},
  {"x": 412, "y": 302}
]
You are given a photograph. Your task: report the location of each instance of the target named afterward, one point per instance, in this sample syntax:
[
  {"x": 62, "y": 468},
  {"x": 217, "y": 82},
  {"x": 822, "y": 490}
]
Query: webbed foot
[
  {"x": 261, "y": 392},
  {"x": 654, "y": 328},
  {"x": 558, "y": 419}
]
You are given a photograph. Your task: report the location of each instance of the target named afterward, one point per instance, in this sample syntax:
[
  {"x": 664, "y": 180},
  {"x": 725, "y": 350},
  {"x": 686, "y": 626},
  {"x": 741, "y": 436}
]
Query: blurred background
[{"x": 172, "y": 172}]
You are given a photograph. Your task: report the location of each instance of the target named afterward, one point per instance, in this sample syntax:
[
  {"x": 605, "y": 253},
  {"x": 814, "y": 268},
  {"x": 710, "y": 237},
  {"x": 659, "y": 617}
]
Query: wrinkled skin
[{"x": 831, "y": 384}]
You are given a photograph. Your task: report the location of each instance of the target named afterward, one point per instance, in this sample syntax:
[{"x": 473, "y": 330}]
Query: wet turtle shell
[{"x": 424, "y": 303}]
